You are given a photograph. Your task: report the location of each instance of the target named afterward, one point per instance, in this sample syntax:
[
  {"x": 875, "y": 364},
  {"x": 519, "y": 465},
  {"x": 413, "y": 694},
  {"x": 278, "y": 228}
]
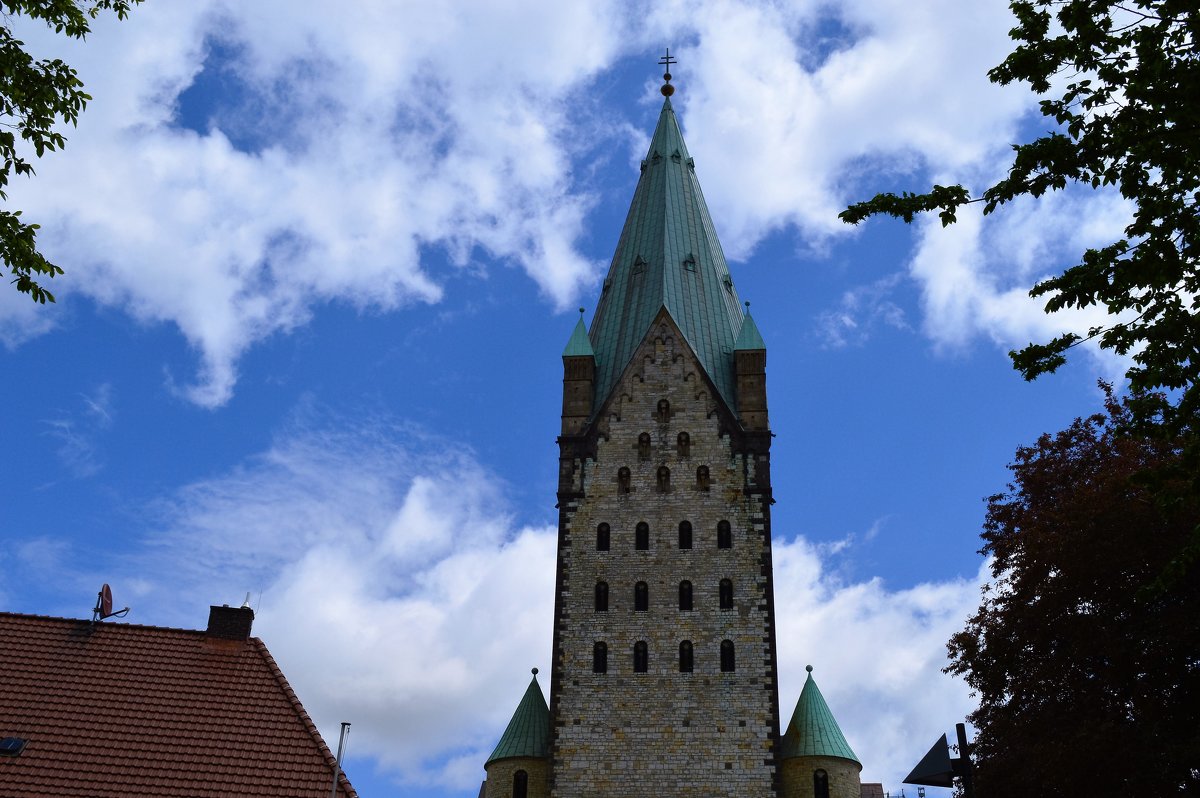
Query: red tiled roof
[{"x": 119, "y": 709}]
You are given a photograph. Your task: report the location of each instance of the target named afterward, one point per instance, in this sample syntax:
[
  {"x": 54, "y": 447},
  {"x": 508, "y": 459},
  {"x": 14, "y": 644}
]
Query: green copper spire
[
  {"x": 749, "y": 337},
  {"x": 813, "y": 731},
  {"x": 668, "y": 256},
  {"x": 528, "y": 733},
  {"x": 579, "y": 345}
]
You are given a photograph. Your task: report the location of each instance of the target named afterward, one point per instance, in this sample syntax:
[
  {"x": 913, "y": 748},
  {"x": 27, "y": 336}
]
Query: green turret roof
[
  {"x": 579, "y": 345},
  {"x": 813, "y": 730},
  {"x": 528, "y": 733},
  {"x": 668, "y": 256},
  {"x": 749, "y": 337}
]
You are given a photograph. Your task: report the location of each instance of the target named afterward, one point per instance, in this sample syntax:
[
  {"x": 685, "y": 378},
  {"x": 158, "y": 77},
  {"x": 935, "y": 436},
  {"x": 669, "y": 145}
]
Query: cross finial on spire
[{"x": 667, "y": 89}]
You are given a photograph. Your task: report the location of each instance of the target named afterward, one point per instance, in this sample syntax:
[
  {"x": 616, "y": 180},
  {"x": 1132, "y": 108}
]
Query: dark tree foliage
[
  {"x": 36, "y": 96},
  {"x": 1120, "y": 80},
  {"x": 1088, "y": 679}
]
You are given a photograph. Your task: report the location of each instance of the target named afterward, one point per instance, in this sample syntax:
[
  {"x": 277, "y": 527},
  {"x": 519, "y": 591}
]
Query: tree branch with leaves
[
  {"x": 1120, "y": 80},
  {"x": 37, "y": 97}
]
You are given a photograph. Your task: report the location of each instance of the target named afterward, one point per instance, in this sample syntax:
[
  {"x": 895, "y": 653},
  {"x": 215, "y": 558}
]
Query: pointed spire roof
[
  {"x": 749, "y": 337},
  {"x": 668, "y": 256},
  {"x": 528, "y": 733},
  {"x": 579, "y": 345},
  {"x": 813, "y": 730}
]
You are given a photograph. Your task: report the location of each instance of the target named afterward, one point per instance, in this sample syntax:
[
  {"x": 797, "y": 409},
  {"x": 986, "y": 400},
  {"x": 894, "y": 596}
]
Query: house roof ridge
[{"x": 302, "y": 714}]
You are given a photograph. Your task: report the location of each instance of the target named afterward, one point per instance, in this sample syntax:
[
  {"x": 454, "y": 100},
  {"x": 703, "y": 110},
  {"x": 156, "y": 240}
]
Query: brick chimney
[{"x": 230, "y": 623}]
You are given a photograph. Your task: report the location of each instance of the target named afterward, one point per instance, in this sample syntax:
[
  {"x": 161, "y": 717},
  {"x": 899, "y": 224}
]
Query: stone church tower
[{"x": 664, "y": 674}]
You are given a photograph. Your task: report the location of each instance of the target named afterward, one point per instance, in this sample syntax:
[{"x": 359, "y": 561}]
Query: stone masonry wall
[
  {"x": 663, "y": 732},
  {"x": 500, "y": 777},
  {"x": 797, "y": 776}
]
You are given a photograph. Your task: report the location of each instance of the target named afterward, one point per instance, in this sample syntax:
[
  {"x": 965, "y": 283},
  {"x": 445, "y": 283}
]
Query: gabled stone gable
[{"x": 705, "y": 733}]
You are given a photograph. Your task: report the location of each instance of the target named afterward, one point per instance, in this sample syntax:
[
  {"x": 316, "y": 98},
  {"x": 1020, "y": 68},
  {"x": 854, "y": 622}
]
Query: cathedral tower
[{"x": 664, "y": 675}]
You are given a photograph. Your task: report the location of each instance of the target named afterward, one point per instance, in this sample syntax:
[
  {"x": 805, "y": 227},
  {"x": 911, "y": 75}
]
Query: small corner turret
[
  {"x": 750, "y": 363},
  {"x": 519, "y": 767},
  {"x": 815, "y": 761},
  {"x": 579, "y": 375}
]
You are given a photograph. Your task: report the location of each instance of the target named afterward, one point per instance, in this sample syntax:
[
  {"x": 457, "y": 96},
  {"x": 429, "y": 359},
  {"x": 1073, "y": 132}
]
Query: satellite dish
[{"x": 104, "y": 605}]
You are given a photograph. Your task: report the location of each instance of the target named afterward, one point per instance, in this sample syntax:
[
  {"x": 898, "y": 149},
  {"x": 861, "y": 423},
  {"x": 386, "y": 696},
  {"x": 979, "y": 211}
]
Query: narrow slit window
[
  {"x": 662, "y": 480},
  {"x": 724, "y": 535},
  {"x": 703, "y": 480},
  {"x": 820, "y": 784},
  {"x": 643, "y": 447},
  {"x": 641, "y": 657},
  {"x": 603, "y": 535},
  {"x": 685, "y": 596},
  {"x": 727, "y": 663},
  {"x": 600, "y": 658},
  {"x": 685, "y": 534},
  {"x": 641, "y": 597},
  {"x": 686, "y": 659},
  {"x": 683, "y": 444},
  {"x": 520, "y": 784},
  {"x": 664, "y": 411},
  {"x": 602, "y": 597},
  {"x": 726, "y": 592},
  {"x": 623, "y": 480},
  {"x": 641, "y": 536}
]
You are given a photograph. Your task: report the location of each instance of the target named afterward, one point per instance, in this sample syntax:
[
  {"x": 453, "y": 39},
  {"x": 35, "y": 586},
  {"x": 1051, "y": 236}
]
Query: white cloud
[
  {"x": 351, "y": 150},
  {"x": 876, "y": 653},
  {"x": 860, "y": 313},
  {"x": 975, "y": 275}
]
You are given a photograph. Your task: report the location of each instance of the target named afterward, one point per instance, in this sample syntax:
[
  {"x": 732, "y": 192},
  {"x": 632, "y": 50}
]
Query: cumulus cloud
[
  {"x": 876, "y": 652},
  {"x": 349, "y": 157},
  {"x": 373, "y": 142},
  {"x": 397, "y": 591}
]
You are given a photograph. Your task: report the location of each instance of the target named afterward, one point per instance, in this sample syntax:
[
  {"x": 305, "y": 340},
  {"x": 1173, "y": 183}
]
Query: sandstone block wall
[
  {"x": 796, "y": 776},
  {"x": 705, "y": 733},
  {"x": 500, "y": 774}
]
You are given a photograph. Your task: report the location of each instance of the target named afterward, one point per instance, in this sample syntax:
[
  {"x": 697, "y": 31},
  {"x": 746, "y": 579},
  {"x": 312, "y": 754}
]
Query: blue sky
[{"x": 320, "y": 269}]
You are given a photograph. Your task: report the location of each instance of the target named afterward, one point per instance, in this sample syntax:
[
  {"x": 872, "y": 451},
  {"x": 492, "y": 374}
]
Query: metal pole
[
  {"x": 337, "y": 766},
  {"x": 964, "y": 756}
]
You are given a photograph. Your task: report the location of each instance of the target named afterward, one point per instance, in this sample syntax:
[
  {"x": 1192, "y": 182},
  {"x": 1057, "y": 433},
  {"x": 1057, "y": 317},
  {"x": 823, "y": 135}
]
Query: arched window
[
  {"x": 602, "y": 537},
  {"x": 602, "y": 597},
  {"x": 600, "y": 658},
  {"x": 724, "y": 535},
  {"x": 726, "y": 594},
  {"x": 664, "y": 410},
  {"x": 820, "y": 784},
  {"x": 623, "y": 481},
  {"x": 685, "y": 656},
  {"x": 641, "y": 597},
  {"x": 640, "y": 657},
  {"x": 663, "y": 480},
  {"x": 685, "y": 534},
  {"x": 727, "y": 664},
  {"x": 685, "y": 596},
  {"x": 644, "y": 446},
  {"x": 683, "y": 445},
  {"x": 641, "y": 537},
  {"x": 702, "y": 478},
  {"x": 520, "y": 784}
]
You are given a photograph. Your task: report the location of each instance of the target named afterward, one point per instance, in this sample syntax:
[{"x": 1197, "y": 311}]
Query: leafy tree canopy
[
  {"x": 1088, "y": 679},
  {"x": 35, "y": 96},
  {"x": 1121, "y": 78}
]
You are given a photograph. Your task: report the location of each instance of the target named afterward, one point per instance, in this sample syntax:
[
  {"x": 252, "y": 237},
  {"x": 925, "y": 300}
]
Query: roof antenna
[
  {"x": 103, "y": 608},
  {"x": 667, "y": 89}
]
